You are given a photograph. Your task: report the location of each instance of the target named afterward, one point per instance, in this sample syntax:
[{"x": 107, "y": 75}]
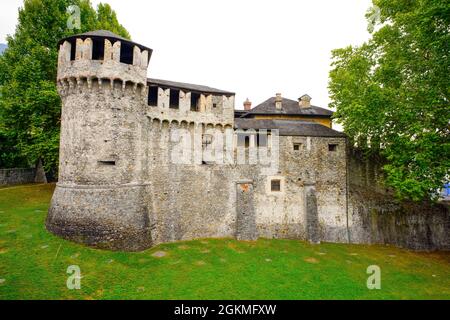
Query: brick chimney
[
  {"x": 247, "y": 105},
  {"x": 304, "y": 101},
  {"x": 278, "y": 101}
]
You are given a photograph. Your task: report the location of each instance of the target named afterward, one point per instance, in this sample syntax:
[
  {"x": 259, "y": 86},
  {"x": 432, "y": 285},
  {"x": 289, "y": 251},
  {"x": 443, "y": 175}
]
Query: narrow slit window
[
  {"x": 174, "y": 101},
  {"x": 247, "y": 141},
  {"x": 107, "y": 162},
  {"x": 195, "y": 101},
  {"x": 275, "y": 185},
  {"x": 332, "y": 147},
  {"x": 153, "y": 96},
  {"x": 73, "y": 49}
]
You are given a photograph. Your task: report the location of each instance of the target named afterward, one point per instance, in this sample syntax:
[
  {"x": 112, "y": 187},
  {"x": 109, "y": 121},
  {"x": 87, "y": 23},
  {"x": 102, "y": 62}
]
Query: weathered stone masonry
[{"x": 119, "y": 189}]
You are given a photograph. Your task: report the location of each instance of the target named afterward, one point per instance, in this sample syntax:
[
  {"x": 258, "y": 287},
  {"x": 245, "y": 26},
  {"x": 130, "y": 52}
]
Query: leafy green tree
[
  {"x": 392, "y": 93},
  {"x": 29, "y": 103}
]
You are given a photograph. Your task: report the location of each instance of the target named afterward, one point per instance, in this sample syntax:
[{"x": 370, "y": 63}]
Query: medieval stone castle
[{"x": 120, "y": 186}]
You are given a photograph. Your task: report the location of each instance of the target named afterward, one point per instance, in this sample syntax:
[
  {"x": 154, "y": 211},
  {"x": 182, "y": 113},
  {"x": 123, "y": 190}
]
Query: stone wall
[
  {"x": 17, "y": 176},
  {"x": 200, "y": 200},
  {"x": 375, "y": 216}
]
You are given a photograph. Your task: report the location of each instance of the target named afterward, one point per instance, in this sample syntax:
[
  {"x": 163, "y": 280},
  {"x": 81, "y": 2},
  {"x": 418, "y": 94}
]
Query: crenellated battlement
[{"x": 103, "y": 55}]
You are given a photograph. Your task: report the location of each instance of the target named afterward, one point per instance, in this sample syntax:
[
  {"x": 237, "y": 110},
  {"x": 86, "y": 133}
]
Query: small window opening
[
  {"x": 214, "y": 105},
  {"x": 297, "y": 146},
  {"x": 174, "y": 101},
  {"x": 244, "y": 140},
  {"x": 107, "y": 162},
  {"x": 261, "y": 140},
  {"x": 153, "y": 96},
  {"x": 195, "y": 101},
  {"x": 126, "y": 53},
  {"x": 275, "y": 185},
  {"x": 247, "y": 142},
  {"x": 73, "y": 49},
  {"x": 332, "y": 147},
  {"x": 98, "y": 49}
]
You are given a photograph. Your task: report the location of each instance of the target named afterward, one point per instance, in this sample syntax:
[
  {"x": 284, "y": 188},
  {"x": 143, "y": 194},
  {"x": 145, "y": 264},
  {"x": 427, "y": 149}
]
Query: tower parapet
[{"x": 103, "y": 55}]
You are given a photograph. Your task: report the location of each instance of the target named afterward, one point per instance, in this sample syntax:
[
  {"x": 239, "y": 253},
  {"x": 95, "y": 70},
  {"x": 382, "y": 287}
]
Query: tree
[
  {"x": 30, "y": 107},
  {"x": 391, "y": 94}
]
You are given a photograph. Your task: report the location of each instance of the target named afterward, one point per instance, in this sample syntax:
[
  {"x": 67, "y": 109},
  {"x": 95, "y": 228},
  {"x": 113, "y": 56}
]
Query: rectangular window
[
  {"x": 126, "y": 53},
  {"x": 297, "y": 146},
  {"x": 195, "y": 101},
  {"x": 243, "y": 140},
  {"x": 174, "y": 101},
  {"x": 214, "y": 105},
  {"x": 332, "y": 147},
  {"x": 98, "y": 49},
  {"x": 153, "y": 96},
  {"x": 262, "y": 140},
  {"x": 275, "y": 185}
]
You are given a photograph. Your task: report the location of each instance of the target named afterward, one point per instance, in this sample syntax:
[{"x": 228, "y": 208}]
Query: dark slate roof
[
  {"x": 105, "y": 34},
  {"x": 289, "y": 107},
  {"x": 238, "y": 113},
  {"x": 189, "y": 87},
  {"x": 288, "y": 127}
]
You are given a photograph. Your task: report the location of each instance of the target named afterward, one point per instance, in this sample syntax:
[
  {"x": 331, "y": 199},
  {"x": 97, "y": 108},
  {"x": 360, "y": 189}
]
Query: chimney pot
[
  {"x": 247, "y": 105},
  {"x": 304, "y": 101}
]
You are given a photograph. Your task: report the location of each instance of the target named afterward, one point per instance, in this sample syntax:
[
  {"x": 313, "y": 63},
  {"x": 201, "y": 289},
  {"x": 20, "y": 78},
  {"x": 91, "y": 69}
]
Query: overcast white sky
[{"x": 253, "y": 48}]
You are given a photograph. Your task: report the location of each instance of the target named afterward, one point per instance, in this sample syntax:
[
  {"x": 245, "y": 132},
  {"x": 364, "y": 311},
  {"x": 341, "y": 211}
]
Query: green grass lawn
[{"x": 33, "y": 265}]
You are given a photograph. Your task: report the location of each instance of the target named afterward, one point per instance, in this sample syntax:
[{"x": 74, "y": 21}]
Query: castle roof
[
  {"x": 188, "y": 86},
  {"x": 288, "y": 127},
  {"x": 104, "y": 34},
  {"x": 289, "y": 107}
]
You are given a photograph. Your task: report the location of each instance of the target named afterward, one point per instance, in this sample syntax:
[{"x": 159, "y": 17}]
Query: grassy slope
[{"x": 33, "y": 264}]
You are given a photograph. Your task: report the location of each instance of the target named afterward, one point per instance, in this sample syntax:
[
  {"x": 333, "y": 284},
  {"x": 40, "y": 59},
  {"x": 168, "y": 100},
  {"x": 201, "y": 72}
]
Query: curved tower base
[{"x": 113, "y": 218}]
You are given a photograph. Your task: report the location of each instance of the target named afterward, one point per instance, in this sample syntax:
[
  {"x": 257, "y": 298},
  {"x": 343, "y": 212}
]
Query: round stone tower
[{"x": 101, "y": 198}]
